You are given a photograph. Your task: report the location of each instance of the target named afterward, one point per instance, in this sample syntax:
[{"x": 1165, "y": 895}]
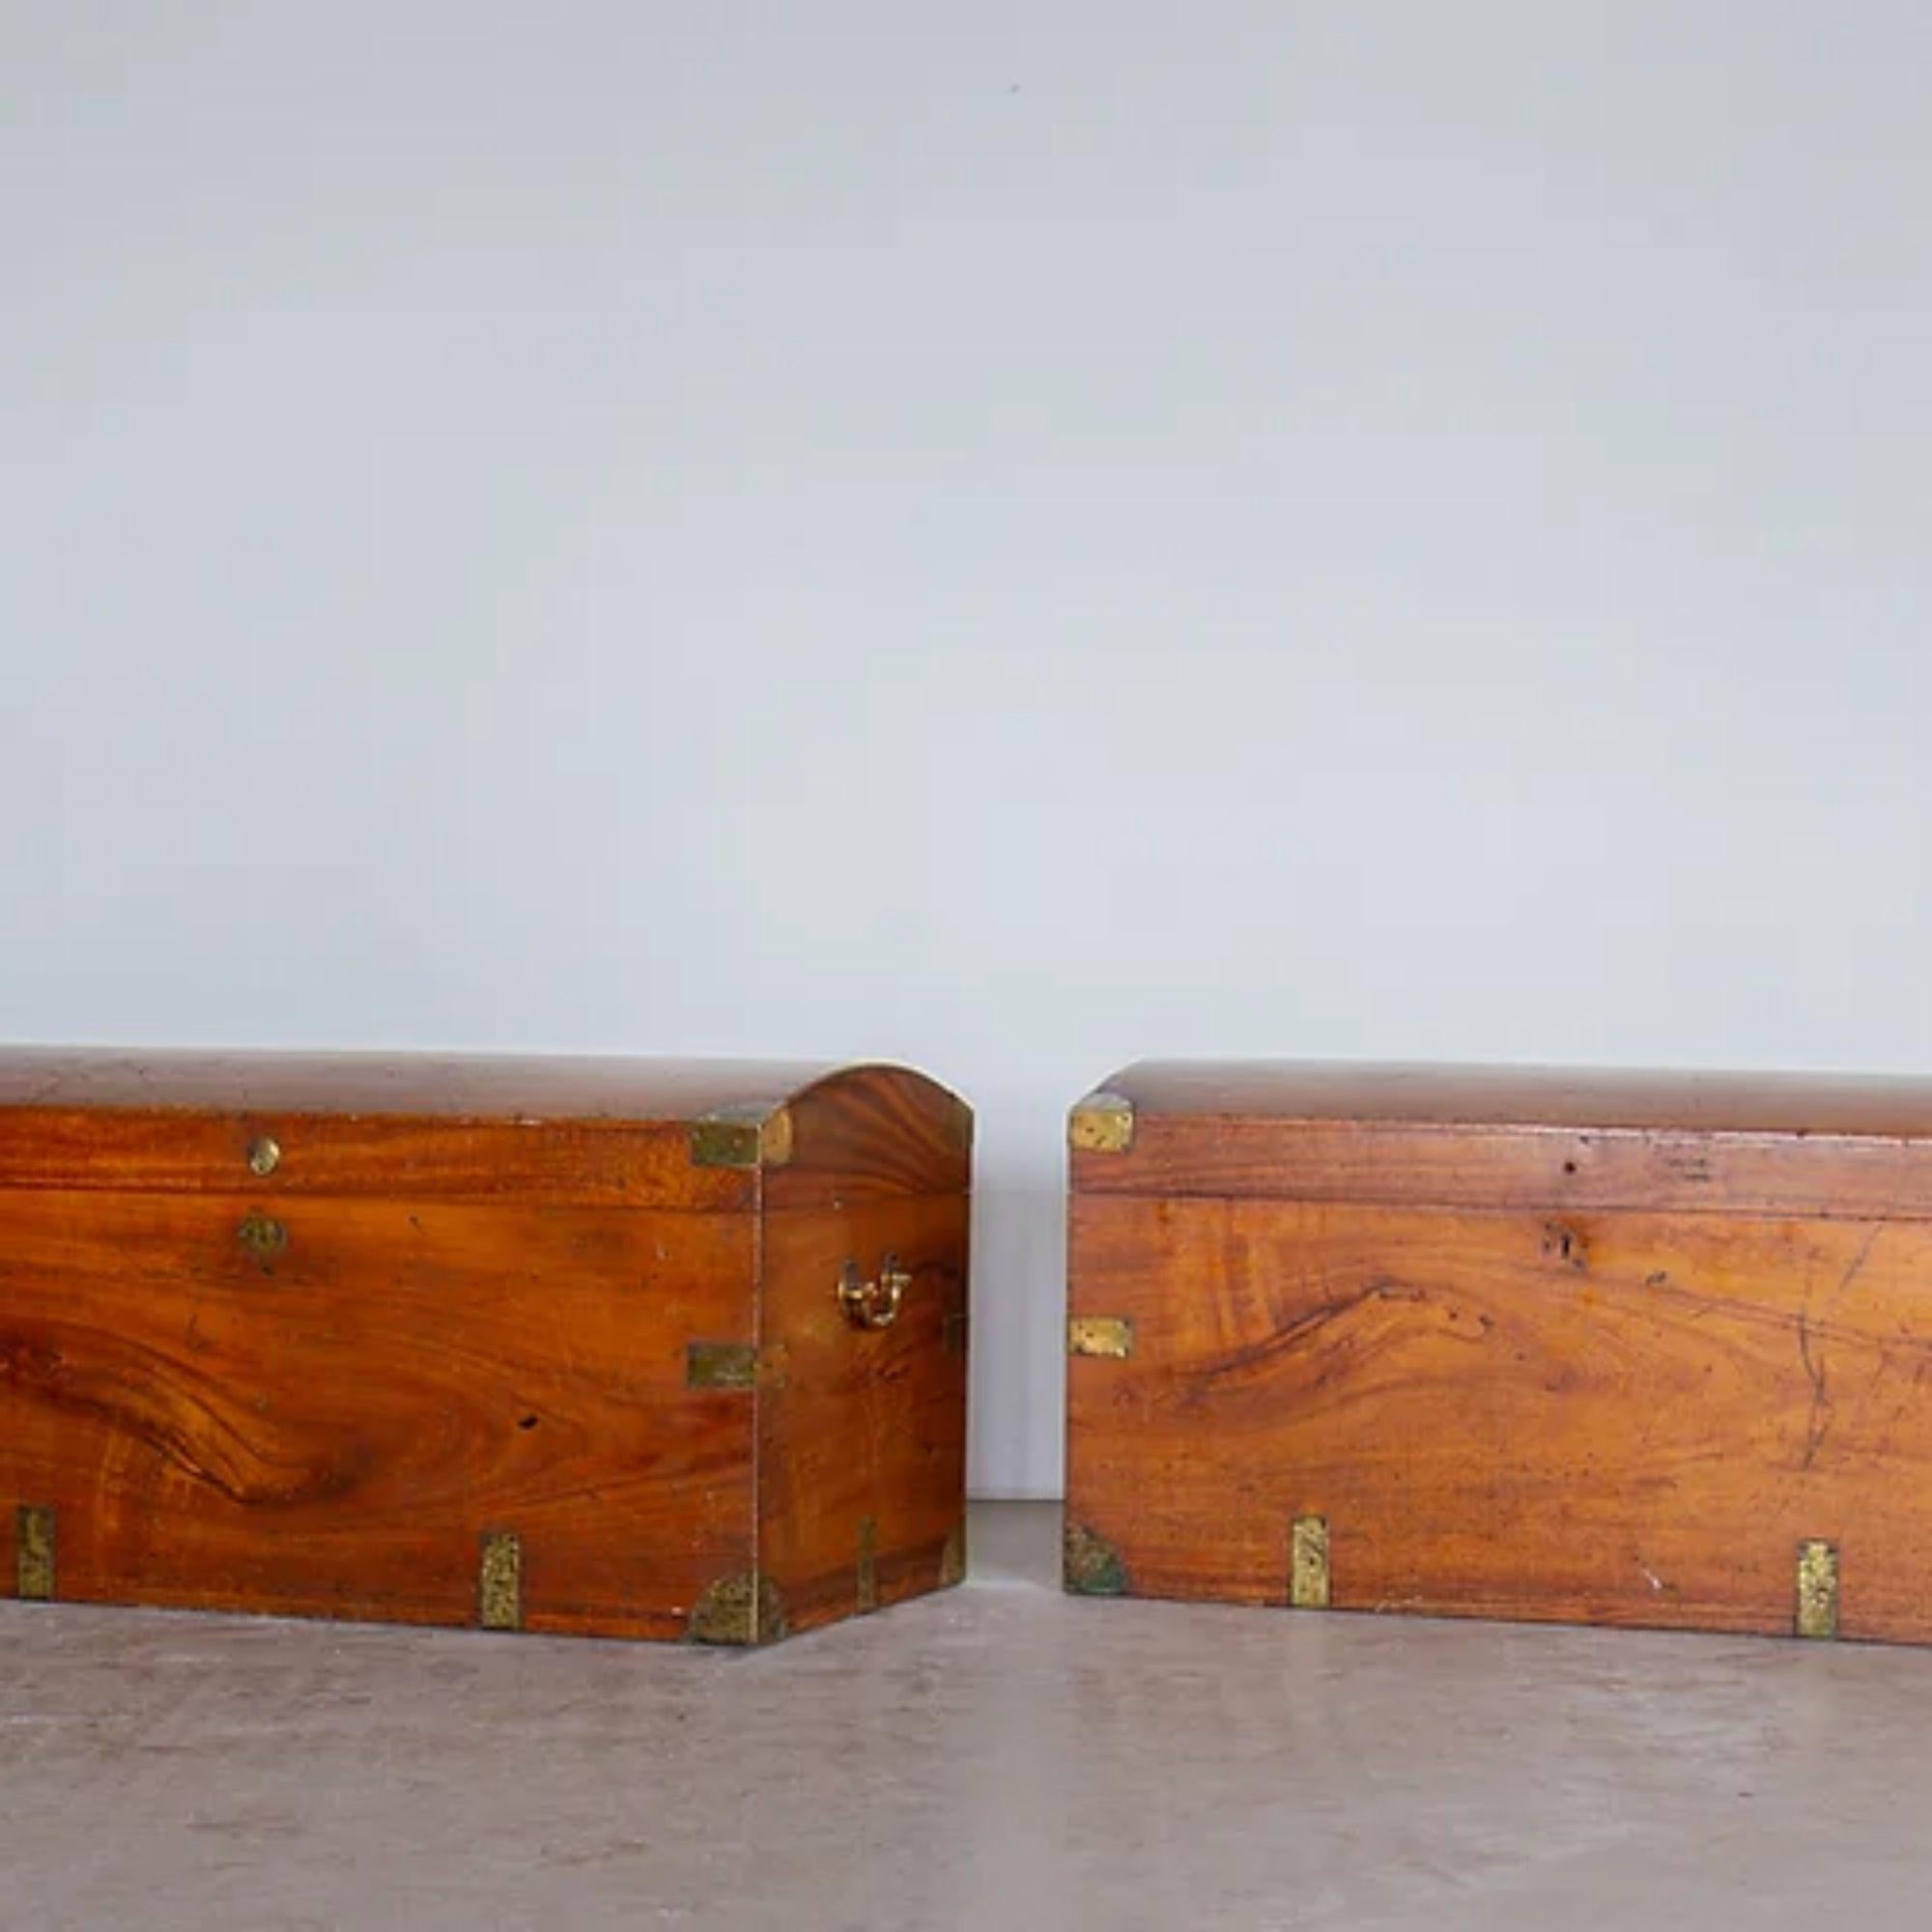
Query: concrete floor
[{"x": 1000, "y": 1757}]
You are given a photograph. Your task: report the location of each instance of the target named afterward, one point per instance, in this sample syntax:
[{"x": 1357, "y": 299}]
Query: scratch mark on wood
[
  {"x": 1823, "y": 1411},
  {"x": 1858, "y": 1266},
  {"x": 1259, "y": 1354},
  {"x": 1818, "y": 1422}
]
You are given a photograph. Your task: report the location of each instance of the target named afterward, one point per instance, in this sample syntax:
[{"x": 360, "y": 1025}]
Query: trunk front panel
[
  {"x": 1611, "y": 1418},
  {"x": 263, "y": 1402}
]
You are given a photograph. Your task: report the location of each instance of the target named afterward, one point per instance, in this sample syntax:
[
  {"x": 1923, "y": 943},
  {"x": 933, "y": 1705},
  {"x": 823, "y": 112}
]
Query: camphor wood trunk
[
  {"x": 1597, "y": 1348},
  {"x": 627, "y": 1348}
]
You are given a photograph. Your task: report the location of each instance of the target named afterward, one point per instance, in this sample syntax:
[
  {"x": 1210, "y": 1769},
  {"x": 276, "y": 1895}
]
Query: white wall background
[{"x": 1011, "y": 535}]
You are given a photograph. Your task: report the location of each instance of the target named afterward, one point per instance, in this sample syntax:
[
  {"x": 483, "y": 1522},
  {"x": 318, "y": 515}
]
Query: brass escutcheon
[
  {"x": 872, "y": 1304},
  {"x": 263, "y": 1238}
]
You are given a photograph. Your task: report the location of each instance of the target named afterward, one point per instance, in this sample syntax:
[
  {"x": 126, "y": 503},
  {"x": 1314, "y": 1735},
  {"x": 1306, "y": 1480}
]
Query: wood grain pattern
[
  {"x": 1569, "y": 1171},
  {"x": 449, "y": 1328},
  {"x": 871, "y": 1132},
  {"x": 1497, "y": 1137},
  {"x": 1834, "y": 1105},
  {"x": 1618, "y": 1418},
  {"x": 519, "y": 1087},
  {"x": 859, "y": 1426},
  {"x": 488, "y": 1129},
  {"x": 571, "y": 1163},
  {"x": 332, "y": 1432},
  {"x": 863, "y": 1434}
]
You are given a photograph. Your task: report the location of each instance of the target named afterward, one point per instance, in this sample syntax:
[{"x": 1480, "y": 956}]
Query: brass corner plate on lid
[
  {"x": 755, "y": 1135},
  {"x": 1104, "y": 1123}
]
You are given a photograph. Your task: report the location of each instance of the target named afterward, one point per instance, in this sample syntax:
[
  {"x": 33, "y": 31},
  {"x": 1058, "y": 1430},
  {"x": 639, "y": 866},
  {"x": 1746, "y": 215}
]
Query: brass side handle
[{"x": 872, "y": 1304}]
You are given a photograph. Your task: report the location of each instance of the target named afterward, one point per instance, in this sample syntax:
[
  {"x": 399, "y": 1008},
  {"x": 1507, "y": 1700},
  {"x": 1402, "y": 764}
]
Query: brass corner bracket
[
  {"x": 34, "y": 1544},
  {"x": 1104, "y": 1123},
  {"x": 752, "y": 1135},
  {"x": 1090, "y": 1565},
  {"x": 1308, "y": 1564},
  {"x": 1108, "y": 1335},
  {"x": 499, "y": 1582},
  {"x": 1818, "y": 1589},
  {"x": 742, "y": 1609}
]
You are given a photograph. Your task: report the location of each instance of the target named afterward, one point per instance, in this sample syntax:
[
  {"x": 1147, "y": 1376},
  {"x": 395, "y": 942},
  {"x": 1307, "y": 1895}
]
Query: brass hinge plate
[
  {"x": 1818, "y": 1589},
  {"x": 499, "y": 1582},
  {"x": 34, "y": 1542},
  {"x": 1104, "y": 1123},
  {"x": 1110, "y": 1335},
  {"x": 721, "y": 1364},
  {"x": 1308, "y": 1564},
  {"x": 748, "y": 1136}
]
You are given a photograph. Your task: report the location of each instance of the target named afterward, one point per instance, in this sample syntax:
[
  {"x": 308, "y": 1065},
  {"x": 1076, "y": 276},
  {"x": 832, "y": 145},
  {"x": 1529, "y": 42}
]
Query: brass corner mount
[{"x": 1104, "y": 1123}]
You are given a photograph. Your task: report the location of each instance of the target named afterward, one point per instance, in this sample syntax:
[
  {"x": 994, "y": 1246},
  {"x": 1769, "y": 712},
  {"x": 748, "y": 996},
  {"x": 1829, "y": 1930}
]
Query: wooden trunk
[
  {"x": 627, "y": 1348},
  {"x": 1596, "y": 1348}
]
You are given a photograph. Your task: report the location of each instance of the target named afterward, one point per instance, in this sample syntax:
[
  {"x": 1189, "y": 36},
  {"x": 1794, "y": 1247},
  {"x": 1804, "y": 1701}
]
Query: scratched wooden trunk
[
  {"x": 642, "y": 1350},
  {"x": 1597, "y": 1348}
]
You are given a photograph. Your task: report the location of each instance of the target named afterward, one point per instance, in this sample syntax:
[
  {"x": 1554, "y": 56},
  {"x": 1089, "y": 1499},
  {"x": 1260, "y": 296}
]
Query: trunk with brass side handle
[{"x": 567, "y": 1346}]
